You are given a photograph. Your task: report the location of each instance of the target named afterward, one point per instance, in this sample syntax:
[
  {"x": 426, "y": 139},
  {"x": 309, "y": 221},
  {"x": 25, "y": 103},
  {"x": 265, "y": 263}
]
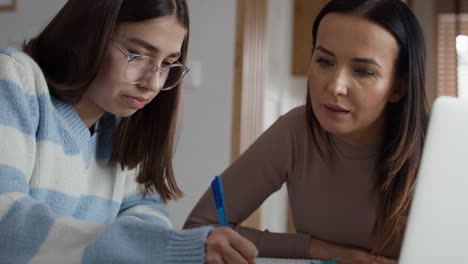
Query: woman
[
  {"x": 87, "y": 116},
  {"x": 350, "y": 156}
]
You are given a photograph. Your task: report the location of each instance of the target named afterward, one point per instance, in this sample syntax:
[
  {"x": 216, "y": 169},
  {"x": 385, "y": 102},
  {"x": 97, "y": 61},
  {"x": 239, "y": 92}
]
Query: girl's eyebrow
[
  {"x": 362, "y": 60},
  {"x": 150, "y": 47}
]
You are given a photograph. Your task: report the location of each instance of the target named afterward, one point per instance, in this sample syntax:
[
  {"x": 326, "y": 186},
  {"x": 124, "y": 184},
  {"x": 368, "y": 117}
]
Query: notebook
[
  {"x": 437, "y": 230},
  {"x": 292, "y": 261}
]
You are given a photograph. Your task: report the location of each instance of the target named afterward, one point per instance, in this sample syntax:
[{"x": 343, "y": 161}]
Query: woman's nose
[{"x": 338, "y": 84}]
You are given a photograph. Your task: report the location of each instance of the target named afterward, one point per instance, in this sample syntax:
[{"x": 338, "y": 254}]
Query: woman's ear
[{"x": 399, "y": 90}]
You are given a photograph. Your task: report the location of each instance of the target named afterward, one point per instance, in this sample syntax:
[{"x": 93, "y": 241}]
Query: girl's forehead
[
  {"x": 160, "y": 25},
  {"x": 166, "y": 33}
]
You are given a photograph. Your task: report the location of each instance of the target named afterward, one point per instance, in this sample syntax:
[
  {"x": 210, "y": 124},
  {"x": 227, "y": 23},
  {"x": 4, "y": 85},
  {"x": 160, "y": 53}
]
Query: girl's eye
[
  {"x": 134, "y": 52},
  {"x": 167, "y": 63}
]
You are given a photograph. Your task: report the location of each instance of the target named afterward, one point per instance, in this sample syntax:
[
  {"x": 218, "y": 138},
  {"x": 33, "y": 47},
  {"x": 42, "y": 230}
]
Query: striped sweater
[{"x": 60, "y": 202}]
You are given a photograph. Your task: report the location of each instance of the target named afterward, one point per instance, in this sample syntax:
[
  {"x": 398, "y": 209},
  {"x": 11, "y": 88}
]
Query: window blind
[{"x": 448, "y": 81}]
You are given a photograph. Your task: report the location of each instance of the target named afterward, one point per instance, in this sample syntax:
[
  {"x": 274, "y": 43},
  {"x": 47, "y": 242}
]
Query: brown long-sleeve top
[{"x": 335, "y": 201}]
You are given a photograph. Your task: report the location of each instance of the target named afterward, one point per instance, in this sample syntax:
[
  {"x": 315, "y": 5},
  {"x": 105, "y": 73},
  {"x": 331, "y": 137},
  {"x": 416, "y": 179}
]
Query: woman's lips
[{"x": 335, "y": 110}]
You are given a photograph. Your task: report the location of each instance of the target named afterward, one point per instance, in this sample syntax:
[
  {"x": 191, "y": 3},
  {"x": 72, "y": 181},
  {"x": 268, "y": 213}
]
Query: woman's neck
[{"x": 368, "y": 136}]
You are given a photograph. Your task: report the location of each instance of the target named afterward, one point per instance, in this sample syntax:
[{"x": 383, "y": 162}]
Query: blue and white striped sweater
[{"x": 60, "y": 202}]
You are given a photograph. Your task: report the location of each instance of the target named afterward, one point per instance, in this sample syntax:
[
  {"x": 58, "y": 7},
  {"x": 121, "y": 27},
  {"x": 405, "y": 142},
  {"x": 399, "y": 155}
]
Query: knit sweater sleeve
[
  {"x": 143, "y": 233},
  {"x": 32, "y": 232},
  {"x": 149, "y": 209}
]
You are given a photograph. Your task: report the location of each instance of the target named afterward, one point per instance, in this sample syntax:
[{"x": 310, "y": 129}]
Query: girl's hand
[{"x": 225, "y": 245}]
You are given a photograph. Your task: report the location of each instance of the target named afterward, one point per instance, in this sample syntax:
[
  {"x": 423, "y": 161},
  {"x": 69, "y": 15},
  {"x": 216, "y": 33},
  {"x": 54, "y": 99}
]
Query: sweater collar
[
  {"x": 70, "y": 118},
  {"x": 356, "y": 151}
]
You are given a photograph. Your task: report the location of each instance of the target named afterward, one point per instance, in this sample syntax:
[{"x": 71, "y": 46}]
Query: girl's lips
[{"x": 136, "y": 102}]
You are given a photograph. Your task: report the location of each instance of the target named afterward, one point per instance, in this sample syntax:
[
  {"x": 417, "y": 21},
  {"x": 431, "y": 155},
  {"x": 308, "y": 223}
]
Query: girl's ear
[{"x": 399, "y": 90}]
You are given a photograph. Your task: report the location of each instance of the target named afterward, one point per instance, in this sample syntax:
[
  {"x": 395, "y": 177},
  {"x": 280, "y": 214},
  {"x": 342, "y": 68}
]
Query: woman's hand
[
  {"x": 356, "y": 256},
  {"x": 225, "y": 245},
  {"x": 320, "y": 249}
]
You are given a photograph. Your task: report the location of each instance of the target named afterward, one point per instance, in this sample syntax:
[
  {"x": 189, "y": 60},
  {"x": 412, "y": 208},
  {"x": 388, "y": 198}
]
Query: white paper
[{"x": 285, "y": 261}]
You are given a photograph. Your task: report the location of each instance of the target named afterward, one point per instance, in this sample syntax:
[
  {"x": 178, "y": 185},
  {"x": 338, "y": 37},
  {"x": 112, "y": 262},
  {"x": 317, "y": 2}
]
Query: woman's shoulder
[
  {"x": 298, "y": 112},
  {"x": 295, "y": 118},
  {"x": 292, "y": 124},
  {"x": 18, "y": 67}
]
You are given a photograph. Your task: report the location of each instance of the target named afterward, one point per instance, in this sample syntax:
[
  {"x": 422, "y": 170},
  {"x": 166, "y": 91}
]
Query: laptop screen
[{"x": 437, "y": 230}]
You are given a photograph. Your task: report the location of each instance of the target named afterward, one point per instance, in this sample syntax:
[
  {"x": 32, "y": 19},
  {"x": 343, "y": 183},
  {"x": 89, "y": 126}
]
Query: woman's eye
[
  {"x": 324, "y": 62},
  {"x": 365, "y": 73}
]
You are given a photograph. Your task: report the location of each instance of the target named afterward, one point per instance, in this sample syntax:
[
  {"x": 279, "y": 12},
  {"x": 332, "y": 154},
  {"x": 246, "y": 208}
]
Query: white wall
[
  {"x": 205, "y": 141},
  {"x": 29, "y": 18},
  {"x": 283, "y": 92}
]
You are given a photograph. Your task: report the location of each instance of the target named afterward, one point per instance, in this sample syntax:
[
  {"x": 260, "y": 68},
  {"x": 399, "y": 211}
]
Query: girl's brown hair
[{"x": 70, "y": 51}]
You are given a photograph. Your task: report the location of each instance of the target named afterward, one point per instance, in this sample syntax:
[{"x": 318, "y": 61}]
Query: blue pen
[{"x": 218, "y": 194}]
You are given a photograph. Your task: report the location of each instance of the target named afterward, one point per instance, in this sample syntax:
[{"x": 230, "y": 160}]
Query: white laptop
[{"x": 437, "y": 230}]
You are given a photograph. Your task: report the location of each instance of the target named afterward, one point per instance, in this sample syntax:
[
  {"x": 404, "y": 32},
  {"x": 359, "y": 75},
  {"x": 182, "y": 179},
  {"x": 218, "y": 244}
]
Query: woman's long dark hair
[
  {"x": 406, "y": 120},
  {"x": 70, "y": 52}
]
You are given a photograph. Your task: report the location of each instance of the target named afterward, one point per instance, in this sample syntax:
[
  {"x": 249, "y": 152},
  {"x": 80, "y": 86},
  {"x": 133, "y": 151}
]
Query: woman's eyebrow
[
  {"x": 362, "y": 60},
  {"x": 368, "y": 61},
  {"x": 323, "y": 49}
]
